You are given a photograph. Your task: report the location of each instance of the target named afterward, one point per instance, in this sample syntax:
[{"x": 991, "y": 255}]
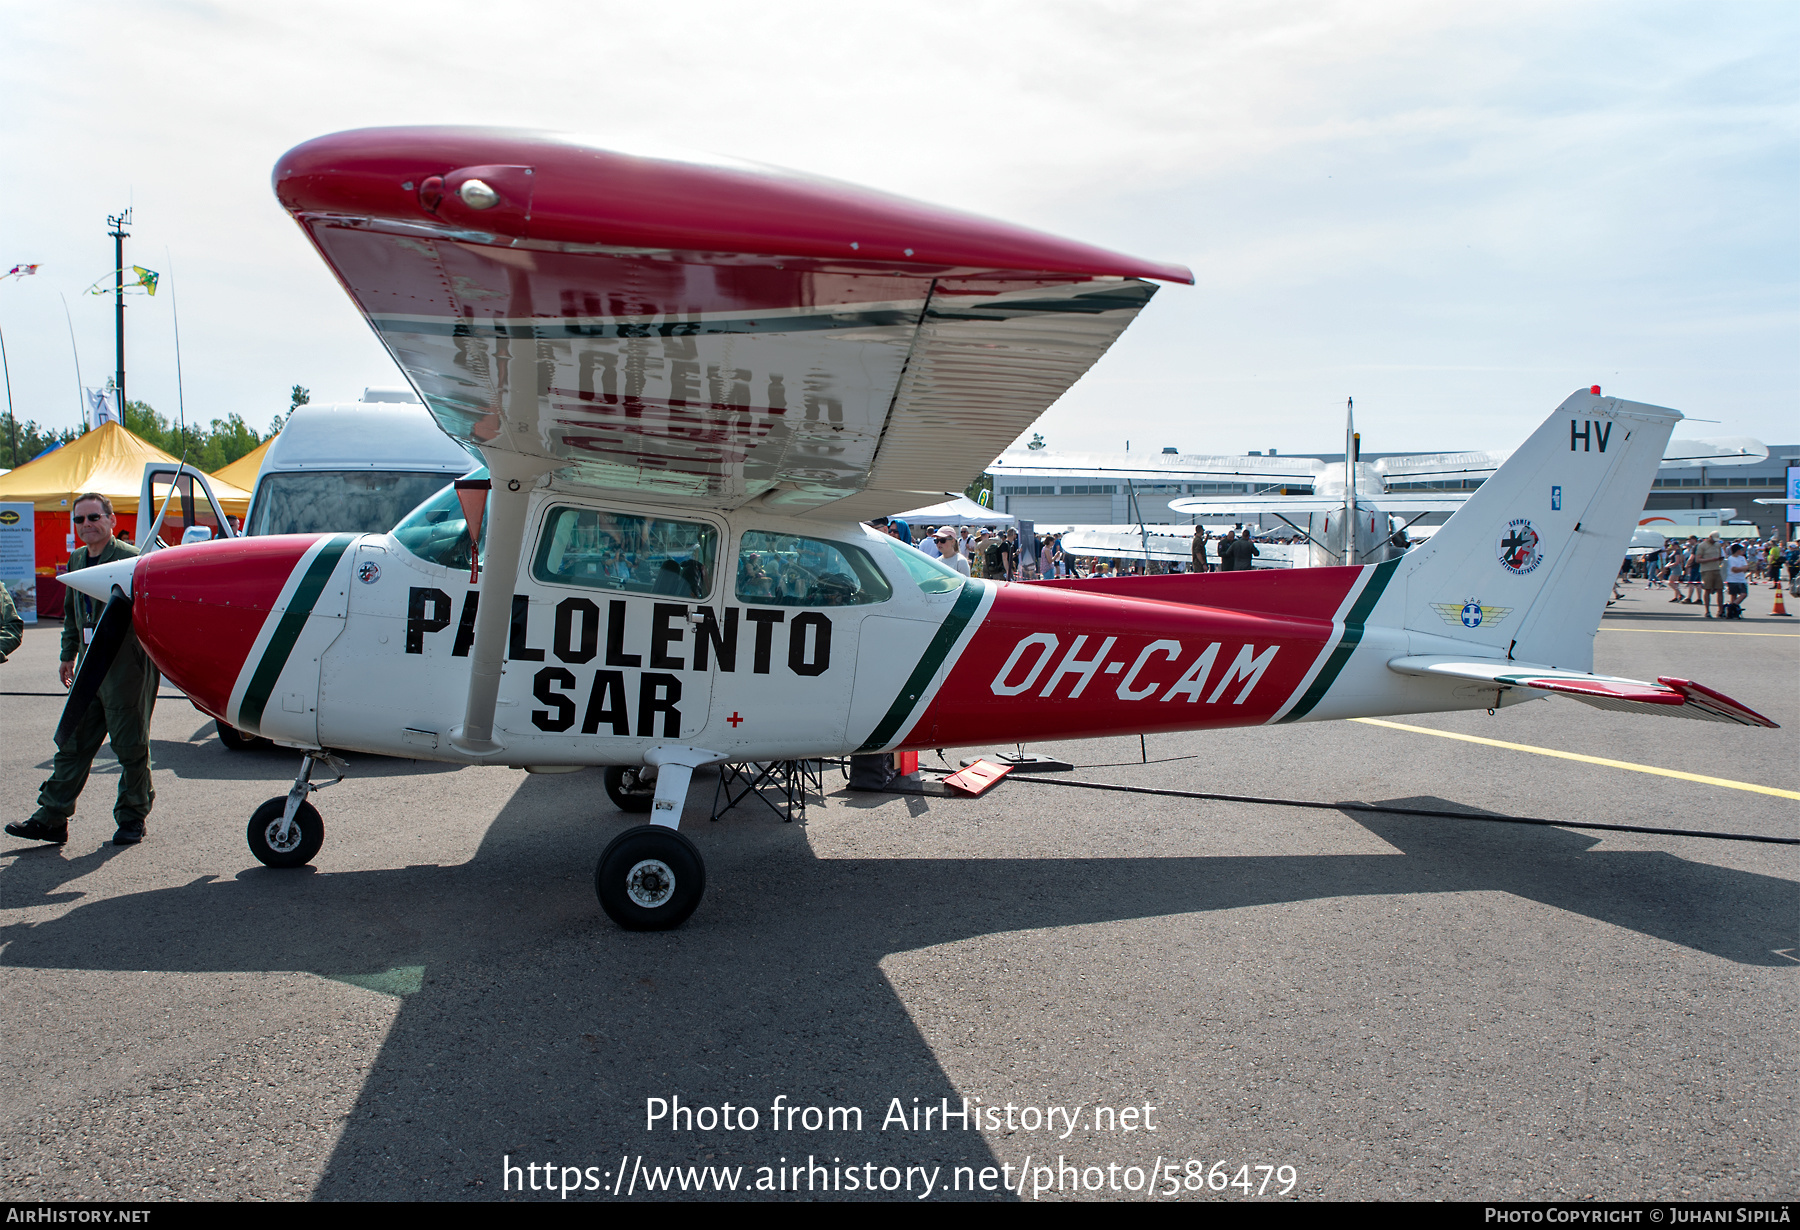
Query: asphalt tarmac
[{"x": 1394, "y": 1007}]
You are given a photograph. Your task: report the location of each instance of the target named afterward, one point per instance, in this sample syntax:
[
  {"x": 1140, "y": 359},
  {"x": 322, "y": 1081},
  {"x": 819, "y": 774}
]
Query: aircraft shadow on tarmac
[{"x": 538, "y": 1030}]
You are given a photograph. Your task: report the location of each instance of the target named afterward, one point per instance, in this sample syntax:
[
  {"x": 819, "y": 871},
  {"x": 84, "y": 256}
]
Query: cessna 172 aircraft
[{"x": 691, "y": 381}]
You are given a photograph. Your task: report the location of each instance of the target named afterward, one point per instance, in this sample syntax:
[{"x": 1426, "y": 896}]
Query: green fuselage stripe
[
  {"x": 281, "y": 644},
  {"x": 920, "y": 679},
  {"x": 1353, "y": 630}
]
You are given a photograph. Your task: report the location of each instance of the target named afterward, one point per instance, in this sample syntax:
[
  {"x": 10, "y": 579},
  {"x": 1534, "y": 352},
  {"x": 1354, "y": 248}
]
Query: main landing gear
[
  {"x": 288, "y": 831},
  {"x": 650, "y": 878}
]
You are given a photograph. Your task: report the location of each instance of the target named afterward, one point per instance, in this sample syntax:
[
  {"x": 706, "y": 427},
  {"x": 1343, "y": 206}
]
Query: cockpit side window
[
  {"x": 787, "y": 570},
  {"x": 437, "y": 531},
  {"x": 640, "y": 555},
  {"x": 932, "y": 575}
]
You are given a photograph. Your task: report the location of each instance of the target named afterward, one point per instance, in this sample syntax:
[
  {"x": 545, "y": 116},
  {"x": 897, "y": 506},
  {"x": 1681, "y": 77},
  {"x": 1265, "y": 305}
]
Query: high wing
[
  {"x": 1666, "y": 697},
  {"x": 1714, "y": 451},
  {"x": 1024, "y": 465},
  {"x": 1250, "y": 505},
  {"x": 699, "y": 331},
  {"x": 1679, "y": 455},
  {"x": 1152, "y": 467},
  {"x": 1440, "y": 465}
]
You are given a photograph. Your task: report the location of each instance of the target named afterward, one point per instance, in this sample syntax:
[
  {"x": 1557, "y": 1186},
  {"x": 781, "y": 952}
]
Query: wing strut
[{"x": 513, "y": 476}]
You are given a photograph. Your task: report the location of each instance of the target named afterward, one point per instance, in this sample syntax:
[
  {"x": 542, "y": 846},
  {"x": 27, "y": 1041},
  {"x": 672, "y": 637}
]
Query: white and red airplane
[{"x": 691, "y": 382}]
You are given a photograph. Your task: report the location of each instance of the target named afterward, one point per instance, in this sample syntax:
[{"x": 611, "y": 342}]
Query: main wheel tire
[
  {"x": 650, "y": 878},
  {"x": 303, "y": 839},
  {"x": 237, "y": 741},
  {"x": 628, "y": 791}
]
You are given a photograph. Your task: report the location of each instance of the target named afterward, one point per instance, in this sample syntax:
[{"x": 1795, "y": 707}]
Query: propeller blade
[{"x": 109, "y": 634}]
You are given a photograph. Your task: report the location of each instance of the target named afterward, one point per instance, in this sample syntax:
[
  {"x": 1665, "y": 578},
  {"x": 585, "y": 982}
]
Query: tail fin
[{"x": 1524, "y": 568}]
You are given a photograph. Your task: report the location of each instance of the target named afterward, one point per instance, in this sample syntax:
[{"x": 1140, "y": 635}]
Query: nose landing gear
[{"x": 288, "y": 831}]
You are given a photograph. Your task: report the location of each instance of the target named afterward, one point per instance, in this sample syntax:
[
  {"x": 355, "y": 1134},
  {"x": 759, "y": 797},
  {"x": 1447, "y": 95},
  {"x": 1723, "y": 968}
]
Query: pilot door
[{"x": 607, "y": 655}]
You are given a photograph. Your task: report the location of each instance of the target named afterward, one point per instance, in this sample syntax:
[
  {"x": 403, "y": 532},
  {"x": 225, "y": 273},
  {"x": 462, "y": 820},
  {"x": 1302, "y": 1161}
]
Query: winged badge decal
[{"x": 1471, "y": 614}]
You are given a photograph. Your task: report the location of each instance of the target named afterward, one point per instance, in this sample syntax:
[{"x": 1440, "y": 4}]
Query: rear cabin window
[
  {"x": 786, "y": 570},
  {"x": 639, "y": 555}
]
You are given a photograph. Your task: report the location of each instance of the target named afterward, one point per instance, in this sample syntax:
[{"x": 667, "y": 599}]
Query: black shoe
[
  {"x": 37, "y": 830},
  {"x": 129, "y": 834}
]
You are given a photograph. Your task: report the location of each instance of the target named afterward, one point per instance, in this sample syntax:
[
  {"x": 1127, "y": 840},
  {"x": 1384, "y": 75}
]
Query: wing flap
[{"x": 1667, "y": 697}]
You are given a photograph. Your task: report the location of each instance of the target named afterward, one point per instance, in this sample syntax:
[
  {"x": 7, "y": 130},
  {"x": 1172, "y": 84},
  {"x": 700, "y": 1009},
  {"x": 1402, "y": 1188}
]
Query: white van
[{"x": 353, "y": 467}]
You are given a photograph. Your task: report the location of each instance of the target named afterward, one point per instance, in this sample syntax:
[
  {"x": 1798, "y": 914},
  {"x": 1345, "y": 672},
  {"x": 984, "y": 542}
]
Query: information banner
[
  {"x": 1028, "y": 552},
  {"x": 1793, "y": 494},
  {"x": 18, "y": 558}
]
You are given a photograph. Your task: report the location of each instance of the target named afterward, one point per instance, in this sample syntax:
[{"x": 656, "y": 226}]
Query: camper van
[{"x": 353, "y": 467}]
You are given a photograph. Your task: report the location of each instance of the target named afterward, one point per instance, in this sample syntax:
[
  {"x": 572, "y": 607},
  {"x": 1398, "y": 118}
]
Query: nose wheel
[
  {"x": 650, "y": 878},
  {"x": 627, "y": 788},
  {"x": 291, "y": 845}
]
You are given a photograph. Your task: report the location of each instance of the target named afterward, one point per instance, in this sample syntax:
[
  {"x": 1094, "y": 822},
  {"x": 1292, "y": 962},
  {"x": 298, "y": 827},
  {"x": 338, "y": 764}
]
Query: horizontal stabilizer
[{"x": 1668, "y": 697}]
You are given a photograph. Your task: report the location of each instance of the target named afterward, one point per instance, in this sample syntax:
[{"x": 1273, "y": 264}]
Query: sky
[{"x": 1456, "y": 213}]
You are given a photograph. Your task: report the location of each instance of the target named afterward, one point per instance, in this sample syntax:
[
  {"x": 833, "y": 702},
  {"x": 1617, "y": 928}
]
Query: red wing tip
[{"x": 1690, "y": 690}]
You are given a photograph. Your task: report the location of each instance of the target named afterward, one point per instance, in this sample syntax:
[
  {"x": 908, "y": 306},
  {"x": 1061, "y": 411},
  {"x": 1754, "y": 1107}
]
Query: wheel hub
[
  {"x": 650, "y": 883},
  {"x": 277, "y": 843}
]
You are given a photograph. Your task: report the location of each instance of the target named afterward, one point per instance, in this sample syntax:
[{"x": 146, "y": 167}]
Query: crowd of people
[
  {"x": 1707, "y": 570},
  {"x": 994, "y": 552}
]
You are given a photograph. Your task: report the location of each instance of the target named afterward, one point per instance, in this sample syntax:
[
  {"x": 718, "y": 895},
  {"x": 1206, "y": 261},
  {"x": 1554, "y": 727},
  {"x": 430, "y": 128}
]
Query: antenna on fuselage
[{"x": 1350, "y": 451}]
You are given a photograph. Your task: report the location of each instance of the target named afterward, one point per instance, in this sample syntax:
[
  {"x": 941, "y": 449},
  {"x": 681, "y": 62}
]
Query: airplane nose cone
[
  {"x": 199, "y": 611},
  {"x": 98, "y": 581}
]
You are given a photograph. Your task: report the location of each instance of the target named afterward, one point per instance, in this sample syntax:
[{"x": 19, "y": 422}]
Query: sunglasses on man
[{"x": 78, "y": 518}]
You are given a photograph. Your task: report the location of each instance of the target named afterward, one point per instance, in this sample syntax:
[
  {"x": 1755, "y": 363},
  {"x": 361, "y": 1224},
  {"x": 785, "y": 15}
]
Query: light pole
[{"x": 119, "y": 234}]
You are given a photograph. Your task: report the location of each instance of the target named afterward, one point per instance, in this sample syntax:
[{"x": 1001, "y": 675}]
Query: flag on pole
[{"x": 102, "y": 406}]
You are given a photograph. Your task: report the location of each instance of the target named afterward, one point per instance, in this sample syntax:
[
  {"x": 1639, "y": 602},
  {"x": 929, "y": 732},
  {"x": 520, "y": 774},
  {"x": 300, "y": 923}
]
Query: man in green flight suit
[
  {"x": 12, "y": 628},
  {"x": 121, "y": 711}
]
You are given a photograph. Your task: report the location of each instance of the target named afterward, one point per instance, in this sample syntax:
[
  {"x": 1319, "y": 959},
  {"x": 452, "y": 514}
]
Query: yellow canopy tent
[
  {"x": 109, "y": 460},
  {"x": 242, "y": 472}
]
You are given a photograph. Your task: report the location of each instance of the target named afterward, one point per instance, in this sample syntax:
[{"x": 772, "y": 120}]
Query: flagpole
[
  {"x": 80, "y": 389},
  {"x": 12, "y": 419}
]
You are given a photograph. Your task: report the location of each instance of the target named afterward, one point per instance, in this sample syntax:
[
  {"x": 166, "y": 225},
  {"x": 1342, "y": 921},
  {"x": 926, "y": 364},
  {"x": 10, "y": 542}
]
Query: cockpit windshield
[{"x": 437, "y": 530}]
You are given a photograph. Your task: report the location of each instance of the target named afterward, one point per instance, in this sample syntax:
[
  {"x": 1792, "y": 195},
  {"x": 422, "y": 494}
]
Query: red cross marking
[{"x": 734, "y": 719}]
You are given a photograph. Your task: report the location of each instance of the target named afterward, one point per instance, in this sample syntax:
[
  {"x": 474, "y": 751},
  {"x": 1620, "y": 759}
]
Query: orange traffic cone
[{"x": 1780, "y": 606}]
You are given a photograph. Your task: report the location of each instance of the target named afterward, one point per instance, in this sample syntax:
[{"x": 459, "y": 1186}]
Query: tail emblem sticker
[{"x": 1519, "y": 553}]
